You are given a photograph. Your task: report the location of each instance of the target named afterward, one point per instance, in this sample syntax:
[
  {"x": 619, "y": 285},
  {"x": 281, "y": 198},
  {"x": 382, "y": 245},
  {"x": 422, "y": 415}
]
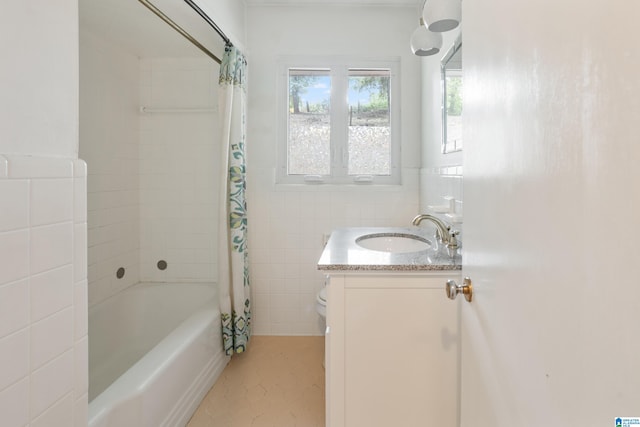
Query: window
[
  {"x": 309, "y": 122},
  {"x": 339, "y": 123}
]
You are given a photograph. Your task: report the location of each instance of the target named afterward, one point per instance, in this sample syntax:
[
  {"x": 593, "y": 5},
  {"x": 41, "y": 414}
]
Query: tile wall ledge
[
  {"x": 456, "y": 170},
  {"x": 15, "y": 166},
  {"x": 266, "y": 178}
]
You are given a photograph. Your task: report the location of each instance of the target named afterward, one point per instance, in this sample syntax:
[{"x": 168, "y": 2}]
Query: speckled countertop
[{"x": 343, "y": 253}]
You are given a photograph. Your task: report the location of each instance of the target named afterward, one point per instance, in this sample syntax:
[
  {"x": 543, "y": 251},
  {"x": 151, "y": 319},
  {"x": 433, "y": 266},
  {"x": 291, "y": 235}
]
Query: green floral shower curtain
[{"x": 233, "y": 263}]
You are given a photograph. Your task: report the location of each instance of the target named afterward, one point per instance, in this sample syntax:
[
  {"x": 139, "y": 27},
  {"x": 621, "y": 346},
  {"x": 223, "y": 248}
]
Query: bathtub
[{"x": 155, "y": 349}]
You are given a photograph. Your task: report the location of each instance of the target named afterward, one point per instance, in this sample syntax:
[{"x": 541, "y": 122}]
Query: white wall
[
  {"x": 39, "y": 74},
  {"x": 441, "y": 174},
  {"x": 179, "y": 170},
  {"x": 43, "y": 288},
  {"x": 109, "y": 86},
  {"x": 286, "y": 223},
  {"x": 230, "y": 16}
]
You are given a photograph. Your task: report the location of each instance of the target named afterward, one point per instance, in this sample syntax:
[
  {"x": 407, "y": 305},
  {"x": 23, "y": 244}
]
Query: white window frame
[{"x": 339, "y": 71}]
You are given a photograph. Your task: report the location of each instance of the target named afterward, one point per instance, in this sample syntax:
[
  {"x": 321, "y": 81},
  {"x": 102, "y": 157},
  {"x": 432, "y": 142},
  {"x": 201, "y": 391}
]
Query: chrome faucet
[{"x": 443, "y": 232}]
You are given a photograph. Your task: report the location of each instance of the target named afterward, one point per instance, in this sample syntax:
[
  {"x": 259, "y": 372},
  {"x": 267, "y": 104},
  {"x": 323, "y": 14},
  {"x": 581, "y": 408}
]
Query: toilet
[
  {"x": 321, "y": 303},
  {"x": 321, "y": 308}
]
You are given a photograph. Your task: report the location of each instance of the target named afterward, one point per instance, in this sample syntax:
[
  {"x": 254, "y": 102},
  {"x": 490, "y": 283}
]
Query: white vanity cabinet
[{"x": 392, "y": 349}]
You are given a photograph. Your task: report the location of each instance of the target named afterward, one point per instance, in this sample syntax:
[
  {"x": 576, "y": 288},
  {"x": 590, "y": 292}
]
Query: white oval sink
[{"x": 393, "y": 242}]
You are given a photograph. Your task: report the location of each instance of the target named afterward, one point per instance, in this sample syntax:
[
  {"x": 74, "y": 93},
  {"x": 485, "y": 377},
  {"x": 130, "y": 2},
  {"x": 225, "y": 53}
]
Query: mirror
[{"x": 451, "y": 72}]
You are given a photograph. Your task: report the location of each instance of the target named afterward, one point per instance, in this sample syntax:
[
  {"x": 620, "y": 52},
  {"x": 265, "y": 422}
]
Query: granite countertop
[{"x": 343, "y": 253}]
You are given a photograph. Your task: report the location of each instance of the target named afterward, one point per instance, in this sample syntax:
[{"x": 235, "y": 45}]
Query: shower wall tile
[
  {"x": 80, "y": 309},
  {"x": 42, "y": 323},
  {"x": 179, "y": 170},
  {"x": 14, "y": 357},
  {"x": 14, "y": 306},
  {"x": 47, "y": 208},
  {"x": 80, "y": 251},
  {"x": 109, "y": 145},
  {"x": 14, "y": 251},
  {"x": 15, "y": 204},
  {"x": 80, "y": 191},
  {"x": 32, "y": 167},
  {"x": 52, "y": 246},
  {"x": 50, "y": 337},
  {"x": 14, "y": 404},
  {"x": 81, "y": 359},
  {"x": 81, "y": 411},
  {"x": 51, "y": 292},
  {"x": 59, "y": 414},
  {"x": 51, "y": 382}
]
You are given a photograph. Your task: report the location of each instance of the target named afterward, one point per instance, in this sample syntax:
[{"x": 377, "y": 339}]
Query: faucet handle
[
  {"x": 453, "y": 245},
  {"x": 453, "y": 241}
]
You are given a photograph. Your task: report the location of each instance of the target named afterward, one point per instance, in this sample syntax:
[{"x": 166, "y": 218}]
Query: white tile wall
[
  {"x": 179, "y": 170},
  {"x": 59, "y": 414},
  {"x": 14, "y": 357},
  {"x": 15, "y": 215},
  {"x": 13, "y": 297},
  {"x": 14, "y": 403},
  {"x": 437, "y": 185},
  {"x": 14, "y": 245},
  {"x": 51, "y": 382},
  {"x": 52, "y": 246},
  {"x": 43, "y": 324},
  {"x": 109, "y": 144}
]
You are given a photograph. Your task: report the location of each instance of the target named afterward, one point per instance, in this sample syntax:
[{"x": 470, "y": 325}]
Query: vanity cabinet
[{"x": 392, "y": 349}]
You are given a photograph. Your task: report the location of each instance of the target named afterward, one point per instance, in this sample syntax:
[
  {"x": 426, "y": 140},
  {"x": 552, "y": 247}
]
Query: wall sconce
[{"x": 425, "y": 42}]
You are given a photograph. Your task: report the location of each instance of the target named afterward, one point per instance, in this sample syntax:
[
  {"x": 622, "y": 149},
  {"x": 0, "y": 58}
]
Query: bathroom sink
[{"x": 393, "y": 242}]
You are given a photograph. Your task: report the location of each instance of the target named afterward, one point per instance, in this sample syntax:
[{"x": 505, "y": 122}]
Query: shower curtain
[{"x": 233, "y": 263}]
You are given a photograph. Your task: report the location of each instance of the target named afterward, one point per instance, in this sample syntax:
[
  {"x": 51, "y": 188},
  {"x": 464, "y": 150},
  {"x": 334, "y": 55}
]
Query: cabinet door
[{"x": 401, "y": 357}]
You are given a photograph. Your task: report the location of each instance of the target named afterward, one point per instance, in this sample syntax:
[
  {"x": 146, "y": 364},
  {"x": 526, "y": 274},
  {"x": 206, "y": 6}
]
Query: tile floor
[{"x": 278, "y": 382}]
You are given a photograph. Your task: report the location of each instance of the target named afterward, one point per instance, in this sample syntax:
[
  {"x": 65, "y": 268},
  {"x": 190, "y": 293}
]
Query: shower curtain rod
[
  {"x": 182, "y": 32},
  {"x": 206, "y": 17}
]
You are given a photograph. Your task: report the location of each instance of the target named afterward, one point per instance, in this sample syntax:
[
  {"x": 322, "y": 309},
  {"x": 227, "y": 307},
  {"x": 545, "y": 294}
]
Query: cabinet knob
[{"x": 453, "y": 289}]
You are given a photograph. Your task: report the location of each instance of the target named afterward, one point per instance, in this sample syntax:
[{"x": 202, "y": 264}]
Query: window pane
[
  {"x": 309, "y": 125},
  {"x": 369, "y": 123}
]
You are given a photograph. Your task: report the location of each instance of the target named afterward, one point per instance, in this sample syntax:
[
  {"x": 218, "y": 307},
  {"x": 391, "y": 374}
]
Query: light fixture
[
  {"x": 442, "y": 15},
  {"x": 424, "y": 42}
]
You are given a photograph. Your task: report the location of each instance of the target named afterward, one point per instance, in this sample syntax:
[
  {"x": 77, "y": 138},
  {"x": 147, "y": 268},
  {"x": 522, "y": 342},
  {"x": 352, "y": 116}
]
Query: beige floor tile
[{"x": 277, "y": 382}]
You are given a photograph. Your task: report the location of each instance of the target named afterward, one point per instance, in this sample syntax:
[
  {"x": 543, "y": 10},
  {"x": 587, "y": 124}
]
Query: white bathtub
[{"x": 155, "y": 349}]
